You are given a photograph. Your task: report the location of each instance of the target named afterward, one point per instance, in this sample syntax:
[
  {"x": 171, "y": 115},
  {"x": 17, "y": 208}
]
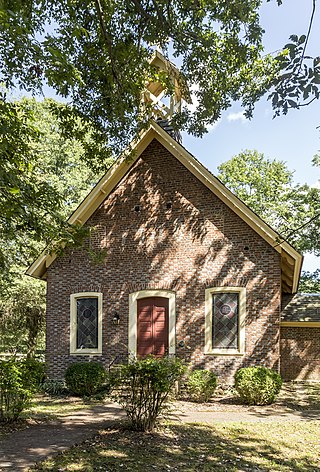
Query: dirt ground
[{"x": 294, "y": 396}]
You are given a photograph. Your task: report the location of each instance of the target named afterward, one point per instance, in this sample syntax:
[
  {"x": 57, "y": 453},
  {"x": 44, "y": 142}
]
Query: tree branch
[
  {"x": 298, "y": 229},
  {"x": 308, "y": 35},
  {"x": 299, "y": 105},
  {"x": 108, "y": 39}
]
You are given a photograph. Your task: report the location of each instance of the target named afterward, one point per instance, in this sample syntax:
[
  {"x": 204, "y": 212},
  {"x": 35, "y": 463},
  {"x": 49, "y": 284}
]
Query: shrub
[
  {"x": 85, "y": 378},
  {"x": 144, "y": 387},
  {"x": 14, "y": 397},
  {"x": 54, "y": 387},
  {"x": 257, "y": 385},
  {"x": 32, "y": 373},
  {"x": 201, "y": 385}
]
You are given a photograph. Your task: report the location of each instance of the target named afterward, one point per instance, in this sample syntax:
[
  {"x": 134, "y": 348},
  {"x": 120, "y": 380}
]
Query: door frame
[{"x": 132, "y": 328}]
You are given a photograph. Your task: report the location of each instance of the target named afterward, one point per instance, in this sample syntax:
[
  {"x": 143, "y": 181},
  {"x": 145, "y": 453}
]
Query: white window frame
[
  {"x": 73, "y": 323},
  {"x": 209, "y": 318},
  {"x": 132, "y": 334}
]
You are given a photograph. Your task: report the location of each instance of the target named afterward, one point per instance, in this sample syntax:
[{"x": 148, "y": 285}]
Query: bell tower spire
[{"x": 163, "y": 101}]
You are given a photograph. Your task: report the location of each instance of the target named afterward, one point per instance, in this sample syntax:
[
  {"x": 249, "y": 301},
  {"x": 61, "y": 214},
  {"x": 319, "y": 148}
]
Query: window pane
[
  {"x": 87, "y": 323},
  {"x": 225, "y": 325}
]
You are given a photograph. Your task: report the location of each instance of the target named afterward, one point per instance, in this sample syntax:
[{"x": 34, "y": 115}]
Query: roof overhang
[{"x": 291, "y": 260}]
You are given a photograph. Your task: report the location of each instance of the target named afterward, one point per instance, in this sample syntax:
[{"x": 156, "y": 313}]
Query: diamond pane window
[
  {"x": 87, "y": 323},
  {"x": 225, "y": 323}
]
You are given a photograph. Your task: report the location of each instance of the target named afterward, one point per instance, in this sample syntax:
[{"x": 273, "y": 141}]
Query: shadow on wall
[{"x": 162, "y": 228}]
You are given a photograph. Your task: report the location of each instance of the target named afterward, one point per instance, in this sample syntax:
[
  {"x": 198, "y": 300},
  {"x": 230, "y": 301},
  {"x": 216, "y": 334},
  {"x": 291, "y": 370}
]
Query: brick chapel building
[{"x": 185, "y": 268}]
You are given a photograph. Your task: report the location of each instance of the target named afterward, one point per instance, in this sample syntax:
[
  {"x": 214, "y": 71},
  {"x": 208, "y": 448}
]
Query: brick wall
[
  {"x": 300, "y": 353},
  {"x": 198, "y": 243}
]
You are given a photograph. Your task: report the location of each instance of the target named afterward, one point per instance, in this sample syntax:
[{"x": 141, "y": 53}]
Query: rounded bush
[
  {"x": 85, "y": 378},
  {"x": 257, "y": 385},
  {"x": 201, "y": 385}
]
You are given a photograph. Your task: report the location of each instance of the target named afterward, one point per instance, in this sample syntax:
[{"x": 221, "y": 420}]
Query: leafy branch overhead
[
  {"x": 297, "y": 84},
  {"x": 96, "y": 54}
]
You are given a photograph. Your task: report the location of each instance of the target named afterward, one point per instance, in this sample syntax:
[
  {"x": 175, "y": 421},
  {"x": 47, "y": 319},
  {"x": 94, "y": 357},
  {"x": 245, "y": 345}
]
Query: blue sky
[{"x": 292, "y": 138}]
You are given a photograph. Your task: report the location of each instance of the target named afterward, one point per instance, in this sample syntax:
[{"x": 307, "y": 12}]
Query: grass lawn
[
  {"x": 45, "y": 407},
  {"x": 293, "y": 446}
]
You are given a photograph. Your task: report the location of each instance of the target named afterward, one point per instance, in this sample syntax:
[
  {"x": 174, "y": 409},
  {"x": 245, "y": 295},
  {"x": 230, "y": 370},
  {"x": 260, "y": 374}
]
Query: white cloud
[
  {"x": 214, "y": 125},
  {"x": 237, "y": 117},
  {"x": 310, "y": 262}
]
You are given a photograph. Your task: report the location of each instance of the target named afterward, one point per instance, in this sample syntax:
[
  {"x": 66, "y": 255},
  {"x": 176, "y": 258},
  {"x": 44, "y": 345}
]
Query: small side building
[{"x": 300, "y": 337}]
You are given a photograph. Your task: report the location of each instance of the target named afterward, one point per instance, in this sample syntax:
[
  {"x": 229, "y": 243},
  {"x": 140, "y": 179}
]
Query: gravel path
[{"x": 248, "y": 415}]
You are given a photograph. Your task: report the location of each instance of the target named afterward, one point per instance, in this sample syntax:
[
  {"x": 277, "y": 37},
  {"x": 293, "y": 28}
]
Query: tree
[
  {"x": 310, "y": 282},
  {"x": 42, "y": 177},
  {"x": 297, "y": 84},
  {"x": 48, "y": 181},
  {"x": 22, "y": 316},
  {"x": 96, "y": 53},
  {"x": 266, "y": 186}
]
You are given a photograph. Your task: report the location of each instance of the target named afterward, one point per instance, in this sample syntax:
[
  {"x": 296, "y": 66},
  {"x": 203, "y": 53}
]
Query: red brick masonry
[
  {"x": 196, "y": 244},
  {"x": 300, "y": 353}
]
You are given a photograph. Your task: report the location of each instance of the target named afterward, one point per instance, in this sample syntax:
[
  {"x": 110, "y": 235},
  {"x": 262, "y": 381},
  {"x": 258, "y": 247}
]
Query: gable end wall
[{"x": 197, "y": 244}]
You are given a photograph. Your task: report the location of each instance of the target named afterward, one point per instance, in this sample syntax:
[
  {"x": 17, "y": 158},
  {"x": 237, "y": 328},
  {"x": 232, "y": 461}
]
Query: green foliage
[
  {"x": 144, "y": 387},
  {"x": 298, "y": 83},
  {"x": 85, "y": 378},
  {"x": 14, "y": 395},
  {"x": 257, "y": 385},
  {"x": 201, "y": 385},
  {"x": 22, "y": 315},
  {"x": 310, "y": 282},
  {"x": 266, "y": 186},
  {"x": 33, "y": 373},
  {"x": 43, "y": 175},
  {"x": 260, "y": 182},
  {"x": 54, "y": 387},
  {"x": 97, "y": 56}
]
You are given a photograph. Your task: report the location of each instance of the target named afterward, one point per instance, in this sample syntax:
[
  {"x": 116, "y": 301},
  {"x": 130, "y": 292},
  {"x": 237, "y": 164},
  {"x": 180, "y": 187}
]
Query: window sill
[
  {"x": 85, "y": 352},
  {"x": 224, "y": 353}
]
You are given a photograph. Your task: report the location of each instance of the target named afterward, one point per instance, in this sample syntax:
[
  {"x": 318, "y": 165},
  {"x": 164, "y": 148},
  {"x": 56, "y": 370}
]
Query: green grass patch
[
  {"x": 261, "y": 446},
  {"x": 43, "y": 407}
]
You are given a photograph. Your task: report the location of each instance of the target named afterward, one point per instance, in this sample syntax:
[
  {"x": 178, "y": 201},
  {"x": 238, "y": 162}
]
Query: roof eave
[{"x": 122, "y": 165}]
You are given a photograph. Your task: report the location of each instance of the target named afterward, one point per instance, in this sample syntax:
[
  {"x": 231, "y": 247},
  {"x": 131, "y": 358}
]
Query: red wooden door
[{"x": 152, "y": 326}]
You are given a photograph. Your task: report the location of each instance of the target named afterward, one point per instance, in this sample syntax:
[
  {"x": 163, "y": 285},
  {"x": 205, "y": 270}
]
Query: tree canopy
[
  {"x": 42, "y": 182},
  {"x": 43, "y": 176},
  {"x": 267, "y": 187},
  {"x": 96, "y": 53}
]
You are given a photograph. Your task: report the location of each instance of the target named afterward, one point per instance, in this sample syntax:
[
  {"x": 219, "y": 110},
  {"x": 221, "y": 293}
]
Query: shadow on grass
[{"x": 195, "y": 448}]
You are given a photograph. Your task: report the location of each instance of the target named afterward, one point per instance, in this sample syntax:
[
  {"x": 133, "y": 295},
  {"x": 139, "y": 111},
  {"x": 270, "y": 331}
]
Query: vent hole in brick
[
  {"x": 246, "y": 248},
  {"x": 137, "y": 208},
  {"x": 169, "y": 205}
]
